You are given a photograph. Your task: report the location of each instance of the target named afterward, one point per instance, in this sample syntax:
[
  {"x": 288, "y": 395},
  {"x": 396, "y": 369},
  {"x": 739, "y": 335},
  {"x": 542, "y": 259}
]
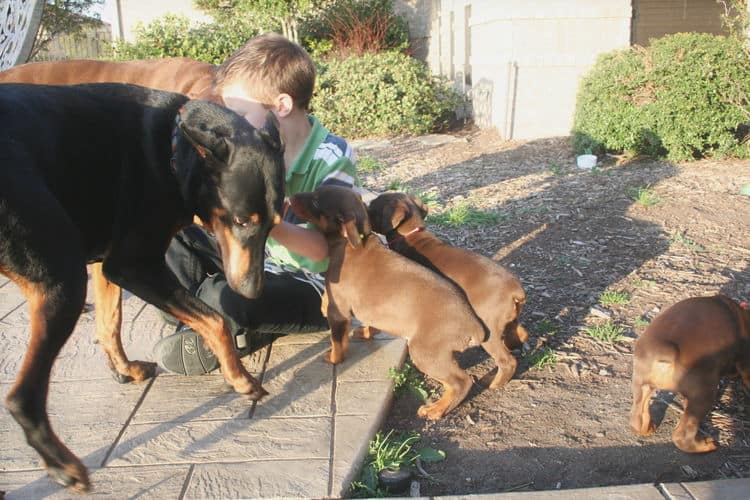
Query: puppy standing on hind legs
[
  {"x": 391, "y": 293},
  {"x": 495, "y": 294},
  {"x": 687, "y": 349}
]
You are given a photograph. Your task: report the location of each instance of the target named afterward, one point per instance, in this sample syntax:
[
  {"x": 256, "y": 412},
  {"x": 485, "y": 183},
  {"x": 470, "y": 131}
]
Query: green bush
[
  {"x": 173, "y": 36},
  {"x": 381, "y": 94},
  {"x": 683, "y": 97}
]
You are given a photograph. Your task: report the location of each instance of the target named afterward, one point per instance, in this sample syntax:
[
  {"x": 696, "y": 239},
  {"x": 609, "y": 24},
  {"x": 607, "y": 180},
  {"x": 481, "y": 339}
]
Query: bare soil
[{"x": 570, "y": 235}]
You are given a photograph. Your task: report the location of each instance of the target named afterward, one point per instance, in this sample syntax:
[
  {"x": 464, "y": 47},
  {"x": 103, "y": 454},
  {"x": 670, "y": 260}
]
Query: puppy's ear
[
  {"x": 350, "y": 232},
  {"x": 270, "y": 132},
  {"x": 208, "y": 127},
  {"x": 420, "y": 205},
  {"x": 399, "y": 213}
]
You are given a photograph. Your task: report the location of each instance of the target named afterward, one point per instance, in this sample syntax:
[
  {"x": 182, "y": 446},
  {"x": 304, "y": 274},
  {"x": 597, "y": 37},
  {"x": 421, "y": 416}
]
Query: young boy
[{"x": 268, "y": 73}]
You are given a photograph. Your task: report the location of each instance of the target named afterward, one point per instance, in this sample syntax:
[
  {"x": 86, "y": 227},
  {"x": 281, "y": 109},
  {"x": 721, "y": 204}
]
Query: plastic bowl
[{"x": 586, "y": 161}]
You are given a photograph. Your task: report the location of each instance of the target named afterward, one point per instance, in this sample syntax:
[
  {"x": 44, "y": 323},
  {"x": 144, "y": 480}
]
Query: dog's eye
[{"x": 246, "y": 221}]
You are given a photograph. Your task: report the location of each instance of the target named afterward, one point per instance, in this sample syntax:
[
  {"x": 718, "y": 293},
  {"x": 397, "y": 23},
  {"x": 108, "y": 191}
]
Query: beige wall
[
  {"x": 131, "y": 12},
  {"x": 521, "y": 61}
]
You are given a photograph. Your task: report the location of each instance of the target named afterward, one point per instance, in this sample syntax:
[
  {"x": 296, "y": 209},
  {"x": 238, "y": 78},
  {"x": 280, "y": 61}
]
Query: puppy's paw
[
  {"x": 434, "y": 411},
  {"x": 332, "y": 359}
]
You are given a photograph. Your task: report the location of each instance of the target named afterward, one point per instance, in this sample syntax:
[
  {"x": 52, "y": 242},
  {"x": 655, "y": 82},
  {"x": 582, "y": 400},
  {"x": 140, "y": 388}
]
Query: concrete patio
[{"x": 192, "y": 437}]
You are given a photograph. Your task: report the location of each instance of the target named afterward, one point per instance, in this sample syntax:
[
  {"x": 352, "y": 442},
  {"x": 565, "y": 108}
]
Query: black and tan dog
[
  {"x": 109, "y": 173},
  {"x": 686, "y": 349},
  {"x": 495, "y": 293},
  {"x": 391, "y": 293}
]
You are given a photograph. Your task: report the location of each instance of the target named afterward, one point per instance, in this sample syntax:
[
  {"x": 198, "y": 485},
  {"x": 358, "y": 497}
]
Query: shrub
[
  {"x": 685, "y": 96},
  {"x": 381, "y": 94},
  {"x": 173, "y": 36},
  {"x": 354, "y": 27}
]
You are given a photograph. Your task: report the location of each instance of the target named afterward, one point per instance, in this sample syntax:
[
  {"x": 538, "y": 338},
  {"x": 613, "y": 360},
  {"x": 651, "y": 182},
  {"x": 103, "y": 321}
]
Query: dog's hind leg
[
  {"x": 640, "y": 416},
  {"x": 54, "y": 307},
  {"x": 108, "y": 313},
  {"x": 506, "y": 362},
  {"x": 441, "y": 366},
  {"x": 700, "y": 393}
]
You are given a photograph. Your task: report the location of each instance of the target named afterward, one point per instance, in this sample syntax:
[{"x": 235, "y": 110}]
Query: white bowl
[{"x": 586, "y": 161}]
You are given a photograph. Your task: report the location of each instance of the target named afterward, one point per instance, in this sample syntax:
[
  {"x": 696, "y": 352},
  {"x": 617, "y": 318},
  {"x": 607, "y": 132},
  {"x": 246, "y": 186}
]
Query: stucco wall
[
  {"x": 521, "y": 61},
  {"x": 132, "y": 12}
]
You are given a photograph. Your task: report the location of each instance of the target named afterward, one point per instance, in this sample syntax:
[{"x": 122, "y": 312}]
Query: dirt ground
[{"x": 571, "y": 235}]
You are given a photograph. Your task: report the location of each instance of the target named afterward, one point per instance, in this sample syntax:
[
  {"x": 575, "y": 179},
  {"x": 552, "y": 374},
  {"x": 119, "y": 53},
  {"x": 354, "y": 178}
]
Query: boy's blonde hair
[{"x": 269, "y": 65}]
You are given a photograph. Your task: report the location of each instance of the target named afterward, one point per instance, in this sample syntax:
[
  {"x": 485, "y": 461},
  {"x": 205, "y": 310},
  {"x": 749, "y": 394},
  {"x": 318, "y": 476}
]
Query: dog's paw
[{"x": 434, "y": 411}]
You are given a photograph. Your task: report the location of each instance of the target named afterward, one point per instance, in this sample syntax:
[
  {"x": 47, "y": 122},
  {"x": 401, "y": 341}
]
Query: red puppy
[
  {"x": 495, "y": 294},
  {"x": 687, "y": 349},
  {"x": 389, "y": 292}
]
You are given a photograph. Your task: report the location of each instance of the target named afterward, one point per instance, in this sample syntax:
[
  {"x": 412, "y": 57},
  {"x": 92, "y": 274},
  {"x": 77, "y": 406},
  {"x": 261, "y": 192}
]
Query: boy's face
[{"x": 237, "y": 98}]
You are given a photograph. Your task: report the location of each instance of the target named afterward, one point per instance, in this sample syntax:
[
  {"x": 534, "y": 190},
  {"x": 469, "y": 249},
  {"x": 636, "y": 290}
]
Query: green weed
[
  {"x": 541, "y": 358},
  {"x": 408, "y": 378},
  {"x": 464, "y": 214},
  {"x": 370, "y": 164},
  {"x": 680, "y": 238},
  {"x": 546, "y": 327},
  {"x": 393, "y": 452},
  {"x": 644, "y": 196},
  {"x": 606, "y": 332},
  {"x": 614, "y": 297}
]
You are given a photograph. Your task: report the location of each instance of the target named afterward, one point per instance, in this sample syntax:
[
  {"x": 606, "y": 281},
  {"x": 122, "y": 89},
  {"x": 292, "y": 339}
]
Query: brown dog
[
  {"x": 495, "y": 294},
  {"x": 392, "y": 293},
  {"x": 687, "y": 349}
]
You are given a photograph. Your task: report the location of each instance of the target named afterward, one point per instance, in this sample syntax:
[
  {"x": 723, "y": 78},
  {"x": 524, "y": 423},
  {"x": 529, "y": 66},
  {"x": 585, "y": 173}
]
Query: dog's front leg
[
  {"x": 108, "y": 314},
  {"x": 339, "y": 324},
  {"x": 153, "y": 282}
]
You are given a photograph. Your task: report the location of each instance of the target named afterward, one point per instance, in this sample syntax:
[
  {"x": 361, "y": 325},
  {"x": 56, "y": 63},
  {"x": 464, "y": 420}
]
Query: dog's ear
[
  {"x": 270, "y": 132},
  {"x": 420, "y": 205},
  {"x": 399, "y": 213},
  {"x": 350, "y": 232},
  {"x": 207, "y": 126}
]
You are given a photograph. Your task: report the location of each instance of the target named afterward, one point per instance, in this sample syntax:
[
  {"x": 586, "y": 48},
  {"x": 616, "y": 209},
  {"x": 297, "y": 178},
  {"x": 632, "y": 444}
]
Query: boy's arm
[{"x": 309, "y": 243}]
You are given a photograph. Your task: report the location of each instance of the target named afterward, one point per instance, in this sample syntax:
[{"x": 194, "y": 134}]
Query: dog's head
[
  {"x": 231, "y": 176},
  {"x": 336, "y": 211},
  {"x": 391, "y": 211}
]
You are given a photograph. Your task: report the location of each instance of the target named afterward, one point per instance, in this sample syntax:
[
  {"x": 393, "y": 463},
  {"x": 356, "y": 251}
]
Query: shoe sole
[{"x": 185, "y": 353}]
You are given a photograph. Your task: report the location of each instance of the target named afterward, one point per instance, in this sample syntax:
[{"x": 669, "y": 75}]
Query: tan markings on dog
[
  {"x": 236, "y": 259},
  {"x": 255, "y": 218},
  {"x": 662, "y": 374},
  {"x": 276, "y": 219},
  {"x": 108, "y": 315},
  {"x": 36, "y": 297}
]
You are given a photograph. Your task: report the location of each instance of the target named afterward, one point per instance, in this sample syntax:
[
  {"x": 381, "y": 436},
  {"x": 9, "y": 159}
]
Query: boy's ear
[
  {"x": 350, "y": 232},
  {"x": 270, "y": 132}
]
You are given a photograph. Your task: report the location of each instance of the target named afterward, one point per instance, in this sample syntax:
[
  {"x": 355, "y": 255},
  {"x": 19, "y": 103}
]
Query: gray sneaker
[{"x": 184, "y": 353}]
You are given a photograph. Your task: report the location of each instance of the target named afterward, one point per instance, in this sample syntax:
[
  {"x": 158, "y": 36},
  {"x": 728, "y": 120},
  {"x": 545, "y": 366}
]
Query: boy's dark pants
[{"x": 286, "y": 305}]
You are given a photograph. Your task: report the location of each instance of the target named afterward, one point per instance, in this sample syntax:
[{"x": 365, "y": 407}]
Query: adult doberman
[{"x": 109, "y": 173}]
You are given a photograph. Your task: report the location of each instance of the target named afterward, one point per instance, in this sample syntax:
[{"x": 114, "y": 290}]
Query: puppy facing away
[
  {"x": 686, "y": 349},
  {"x": 495, "y": 294},
  {"x": 391, "y": 293}
]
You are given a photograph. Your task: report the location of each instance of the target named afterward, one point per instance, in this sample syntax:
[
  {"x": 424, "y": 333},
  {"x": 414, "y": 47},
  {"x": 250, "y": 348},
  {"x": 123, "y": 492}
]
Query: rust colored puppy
[
  {"x": 392, "y": 293},
  {"x": 495, "y": 294},
  {"x": 687, "y": 349}
]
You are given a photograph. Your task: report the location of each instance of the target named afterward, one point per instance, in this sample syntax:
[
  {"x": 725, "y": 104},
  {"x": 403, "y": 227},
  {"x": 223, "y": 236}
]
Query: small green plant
[
  {"x": 644, "y": 196},
  {"x": 369, "y": 164},
  {"x": 641, "y": 322},
  {"x": 614, "y": 297},
  {"x": 606, "y": 332},
  {"x": 555, "y": 169},
  {"x": 464, "y": 214},
  {"x": 680, "y": 238},
  {"x": 541, "y": 358},
  {"x": 641, "y": 283},
  {"x": 394, "y": 452},
  {"x": 397, "y": 185},
  {"x": 408, "y": 378},
  {"x": 546, "y": 327}
]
